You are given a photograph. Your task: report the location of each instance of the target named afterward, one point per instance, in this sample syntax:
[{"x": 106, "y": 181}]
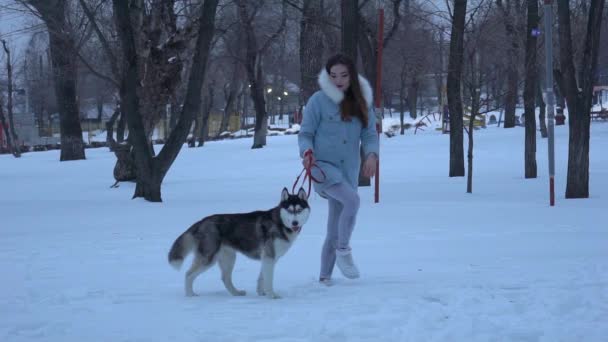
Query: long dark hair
[{"x": 354, "y": 104}]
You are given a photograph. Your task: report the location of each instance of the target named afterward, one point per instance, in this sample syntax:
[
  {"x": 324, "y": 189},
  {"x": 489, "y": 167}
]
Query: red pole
[{"x": 378, "y": 96}]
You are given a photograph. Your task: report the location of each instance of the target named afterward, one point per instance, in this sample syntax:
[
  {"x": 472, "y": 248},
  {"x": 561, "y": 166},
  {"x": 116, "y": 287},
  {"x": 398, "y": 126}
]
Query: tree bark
[
  {"x": 63, "y": 58},
  {"x": 530, "y": 89},
  {"x": 110, "y": 128},
  {"x": 511, "y": 94},
  {"x": 121, "y": 127},
  {"x": 579, "y": 101},
  {"x": 474, "y": 110},
  {"x": 350, "y": 28},
  {"x": 7, "y": 133},
  {"x": 230, "y": 92},
  {"x": 542, "y": 112},
  {"x": 453, "y": 89},
  {"x": 510, "y": 15},
  {"x": 402, "y": 89},
  {"x": 412, "y": 97},
  {"x": 207, "y": 107},
  {"x": 9, "y": 105}
]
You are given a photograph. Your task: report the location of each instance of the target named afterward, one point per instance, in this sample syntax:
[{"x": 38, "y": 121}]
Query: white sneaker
[
  {"x": 344, "y": 260},
  {"x": 325, "y": 281}
]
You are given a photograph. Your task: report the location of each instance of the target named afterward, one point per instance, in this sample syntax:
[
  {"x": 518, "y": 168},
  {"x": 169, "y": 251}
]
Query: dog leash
[{"x": 307, "y": 172}]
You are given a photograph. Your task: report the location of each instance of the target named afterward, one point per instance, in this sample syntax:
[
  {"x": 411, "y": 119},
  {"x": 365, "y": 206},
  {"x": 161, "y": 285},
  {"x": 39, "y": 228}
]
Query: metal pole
[
  {"x": 548, "y": 15},
  {"x": 378, "y": 96}
]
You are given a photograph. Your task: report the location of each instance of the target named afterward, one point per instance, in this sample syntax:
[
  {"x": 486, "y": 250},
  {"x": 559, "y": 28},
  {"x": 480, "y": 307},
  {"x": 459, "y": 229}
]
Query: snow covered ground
[{"x": 83, "y": 262}]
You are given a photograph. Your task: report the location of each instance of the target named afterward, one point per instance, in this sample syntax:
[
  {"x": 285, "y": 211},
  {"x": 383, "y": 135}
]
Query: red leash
[{"x": 307, "y": 171}]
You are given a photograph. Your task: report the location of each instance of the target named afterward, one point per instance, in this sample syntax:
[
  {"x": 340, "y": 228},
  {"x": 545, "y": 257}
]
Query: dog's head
[{"x": 294, "y": 209}]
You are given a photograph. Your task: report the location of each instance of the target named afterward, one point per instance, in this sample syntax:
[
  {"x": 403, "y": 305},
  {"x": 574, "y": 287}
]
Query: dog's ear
[
  {"x": 302, "y": 194},
  {"x": 284, "y": 195}
]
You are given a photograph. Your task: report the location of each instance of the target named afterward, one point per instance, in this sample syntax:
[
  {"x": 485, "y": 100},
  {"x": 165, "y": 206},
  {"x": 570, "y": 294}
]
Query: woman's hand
[
  {"x": 309, "y": 159},
  {"x": 369, "y": 167}
]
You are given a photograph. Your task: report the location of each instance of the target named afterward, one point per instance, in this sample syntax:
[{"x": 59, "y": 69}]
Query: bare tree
[
  {"x": 152, "y": 170},
  {"x": 63, "y": 56},
  {"x": 254, "y": 65},
  {"x": 579, "y": 92}
]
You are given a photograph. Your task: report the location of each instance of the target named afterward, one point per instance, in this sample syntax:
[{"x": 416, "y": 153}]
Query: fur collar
[{"x": 336, "y": 95}]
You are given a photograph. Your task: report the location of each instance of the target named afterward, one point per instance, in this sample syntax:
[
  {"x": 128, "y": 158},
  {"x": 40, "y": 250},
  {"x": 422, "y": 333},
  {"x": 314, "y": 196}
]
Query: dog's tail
[{"x": 182, "y": 246}]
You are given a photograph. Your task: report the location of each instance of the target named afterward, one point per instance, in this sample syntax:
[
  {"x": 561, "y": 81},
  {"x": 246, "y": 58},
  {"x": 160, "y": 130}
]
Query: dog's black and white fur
[{"x": 262, "y": 235}]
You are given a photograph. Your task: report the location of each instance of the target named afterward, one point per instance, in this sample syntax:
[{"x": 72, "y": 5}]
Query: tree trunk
[
  {"x": 14, "y": 149},
  {"x": 453, "y": 89},
  {"x": 512, "y": 63},
  {"x": 474, "y": 110},
  {"x": 579, "y": 101},
  {"x": 511, "y": 97},
  {"x": 350, "y": 28},
  {"x": 412, "y": 97},
  {"x": 402, "y": 89},
  {"x": 253, "y": 66},
  {"x": 9, "y": 106},
  {"x": 208, "y": 106},
  {"x": 542, "y": 112},
  {"x": 197, "y": 123},
  {"x": 261, "y": 117},
  {"x": 122, "y": 125},
  {"x": 110, "y": 129},
  {"x": 230, "y": 93},
  {"x": 150, "y": 170},
  {"x": 63, "y": 58},
  {"x": 530, "y": 88},
  {"x": 173, "y": 113},
  {"x": 369, "y": 55}
]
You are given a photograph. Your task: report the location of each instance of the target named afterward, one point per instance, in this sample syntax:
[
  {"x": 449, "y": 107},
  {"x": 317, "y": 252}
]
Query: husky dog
[{"x": 261, "y": 235}]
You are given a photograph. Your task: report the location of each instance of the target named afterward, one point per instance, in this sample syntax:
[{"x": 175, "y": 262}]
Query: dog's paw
[
  {"x": 191, "y": 294},
  {"x": 239, "y": 293}
]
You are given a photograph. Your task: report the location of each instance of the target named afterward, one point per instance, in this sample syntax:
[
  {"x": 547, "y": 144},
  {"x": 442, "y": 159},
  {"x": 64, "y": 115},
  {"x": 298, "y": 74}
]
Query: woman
[{"x": 337, "y": 120}]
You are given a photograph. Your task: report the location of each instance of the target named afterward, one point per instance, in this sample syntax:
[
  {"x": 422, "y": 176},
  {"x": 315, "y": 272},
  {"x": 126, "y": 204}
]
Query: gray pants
[{"x": 343, "y": 207}]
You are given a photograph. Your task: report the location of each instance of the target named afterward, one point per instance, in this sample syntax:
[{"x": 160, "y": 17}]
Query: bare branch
[
  {"x": 102, "y": 38},
  {"x": 277, "y": 33},
  {"x": 97, "y": 73},
  {"x": 294, "y": 5},
  {"x": 28, "y": 8}
]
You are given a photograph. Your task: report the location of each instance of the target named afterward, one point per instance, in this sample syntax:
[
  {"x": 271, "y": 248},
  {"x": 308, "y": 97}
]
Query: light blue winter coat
[{"x": 336, "y": 143}]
